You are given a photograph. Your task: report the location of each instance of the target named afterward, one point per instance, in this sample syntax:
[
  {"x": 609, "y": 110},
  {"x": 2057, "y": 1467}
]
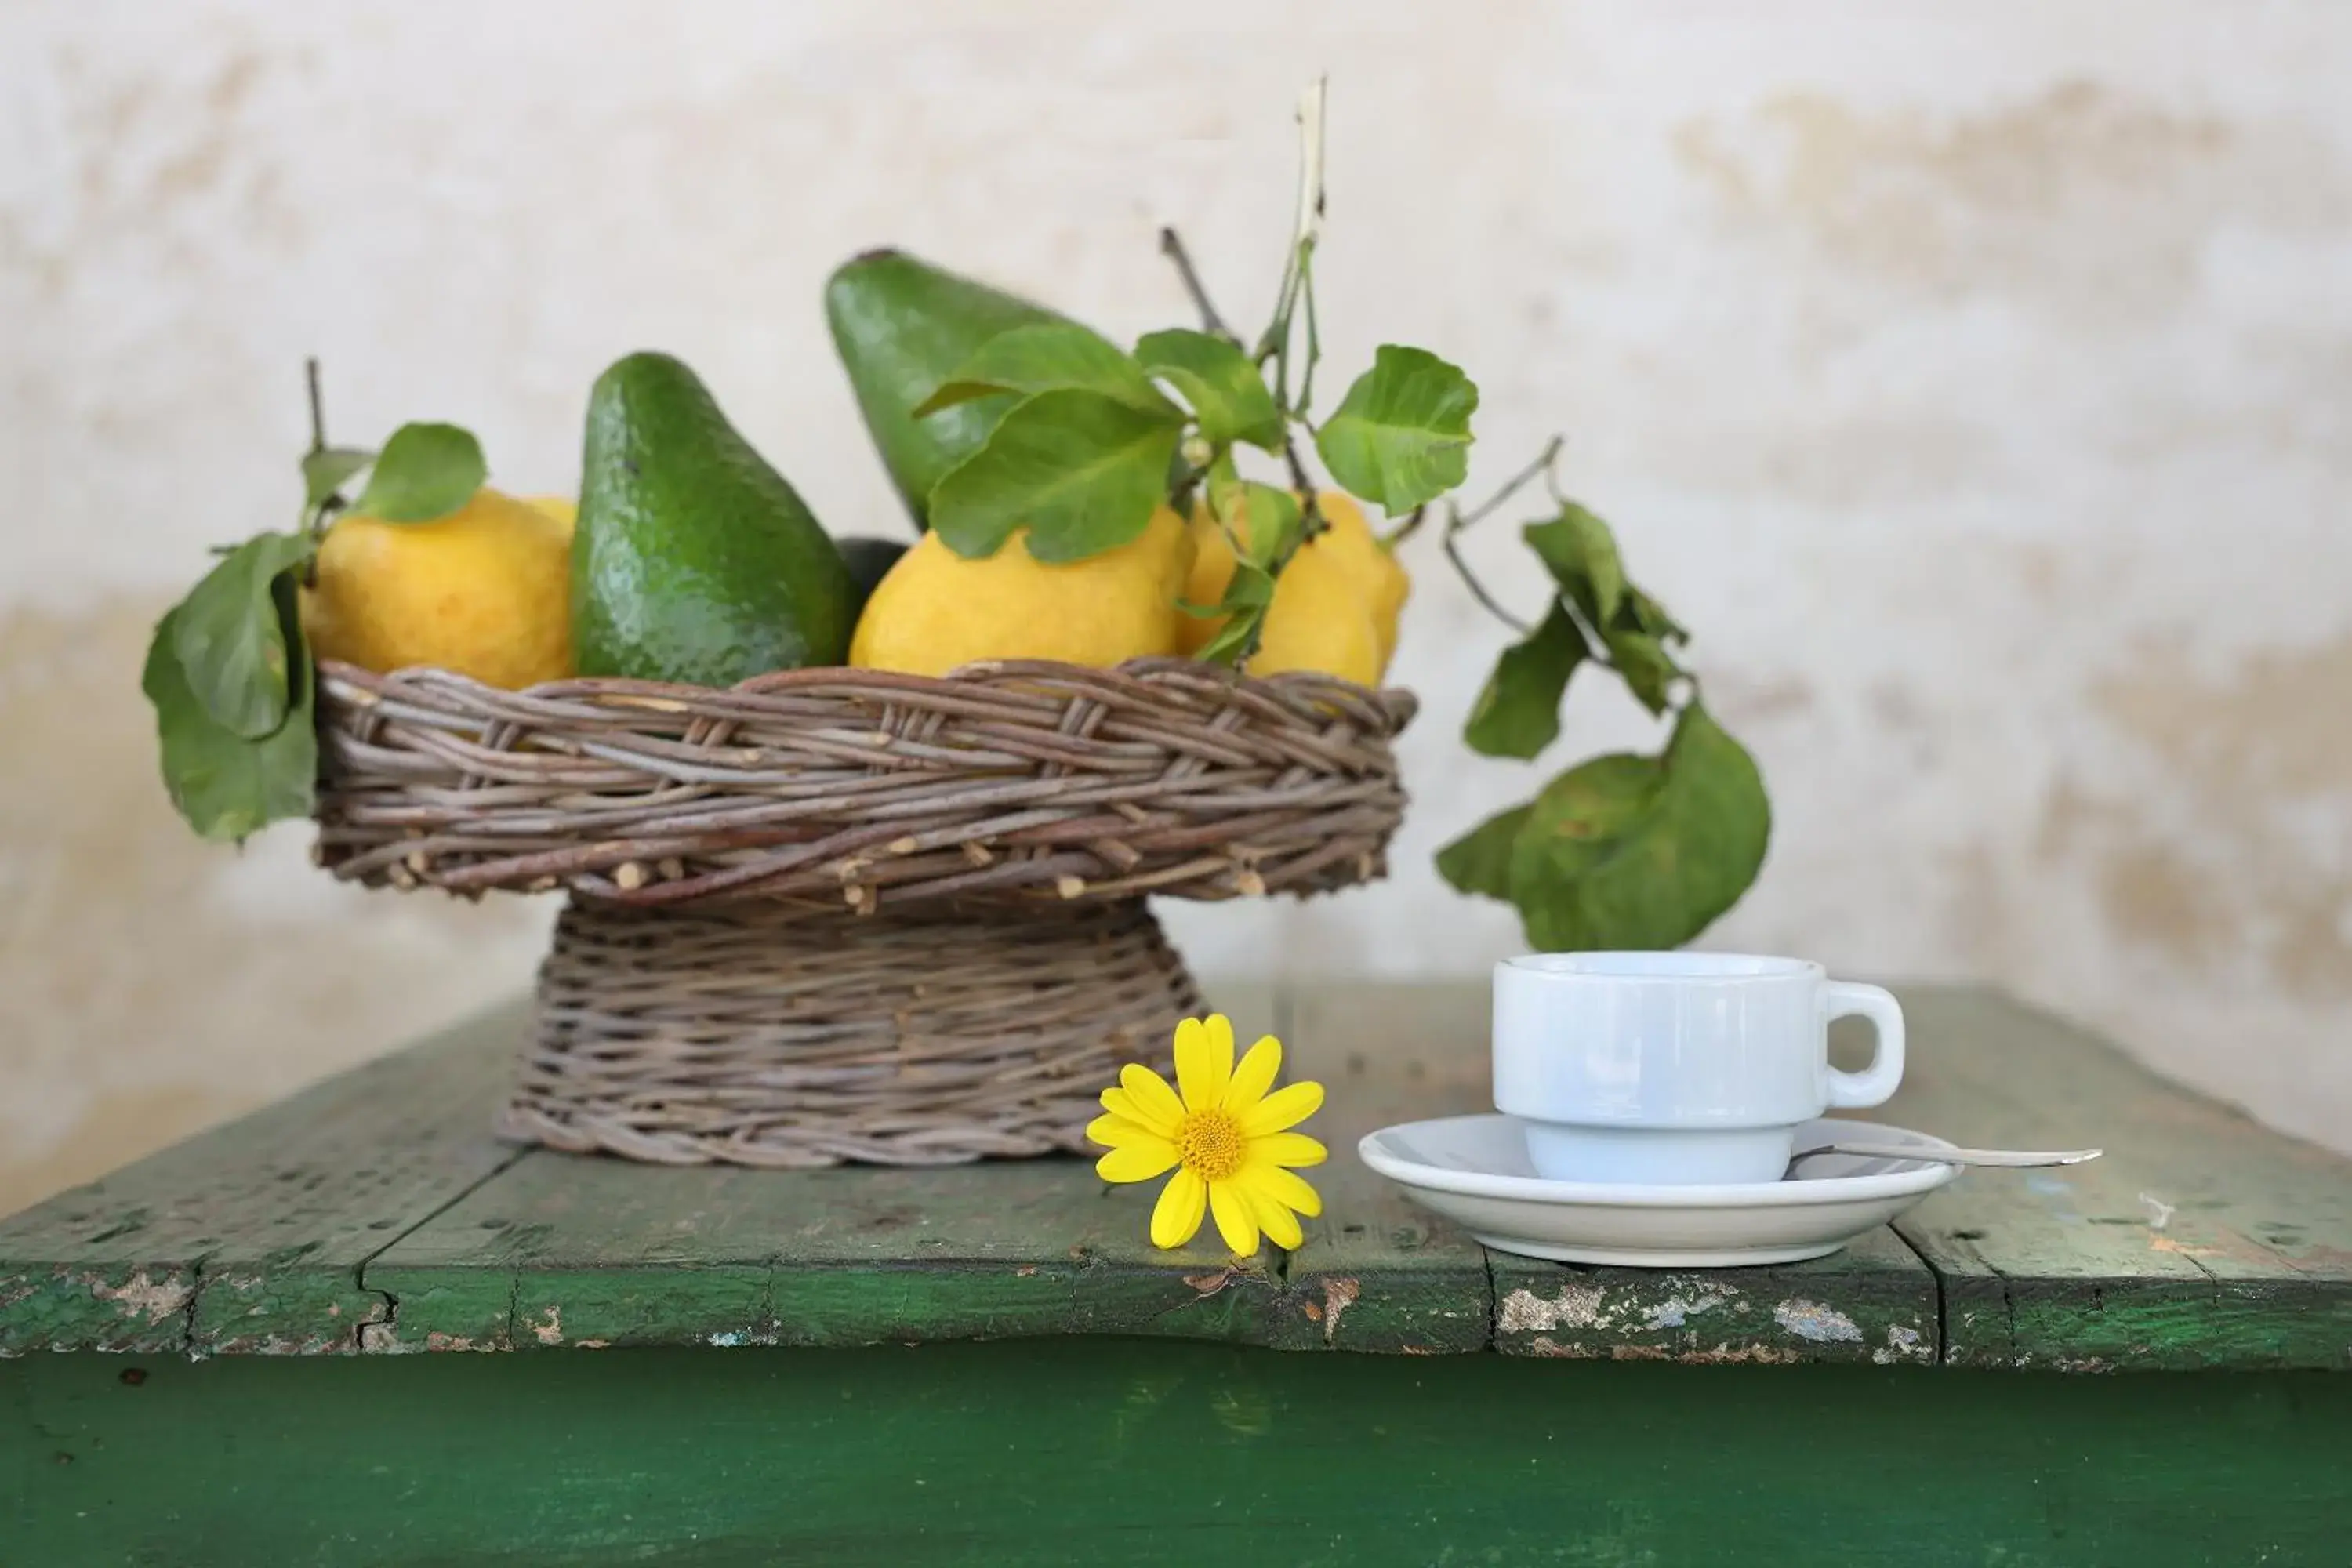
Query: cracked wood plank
[
  {"x": 2201, "y": 1239},
  {"x": 563, "y": 1251},
  {"x": 1376, "y": 1272},
  {"x": 1873, "y": 1302},
  {"x": 250, "y": 1237}
]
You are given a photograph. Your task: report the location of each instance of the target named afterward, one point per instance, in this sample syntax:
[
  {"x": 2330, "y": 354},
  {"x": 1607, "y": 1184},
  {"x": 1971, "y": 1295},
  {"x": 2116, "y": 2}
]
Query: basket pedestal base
[{"x": 758, "y": 1035}]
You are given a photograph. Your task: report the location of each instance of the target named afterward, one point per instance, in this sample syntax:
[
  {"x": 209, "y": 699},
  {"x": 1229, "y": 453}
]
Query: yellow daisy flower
[{"x": 1229, "y": 1141}]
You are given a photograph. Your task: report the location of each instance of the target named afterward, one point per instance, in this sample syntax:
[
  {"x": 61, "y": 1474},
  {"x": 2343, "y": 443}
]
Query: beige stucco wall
[{"x": 1975, "y": 379}]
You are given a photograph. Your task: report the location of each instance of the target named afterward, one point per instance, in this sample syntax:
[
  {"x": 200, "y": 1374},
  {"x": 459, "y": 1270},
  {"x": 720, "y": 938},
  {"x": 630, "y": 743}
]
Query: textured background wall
[{"x": 1975, "y": 379}]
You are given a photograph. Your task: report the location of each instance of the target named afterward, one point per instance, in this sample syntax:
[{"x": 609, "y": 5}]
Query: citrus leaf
[
  {"x": 1648, "y": 669},
  {"x": 1627, "y": 851},
  {"x": 225, "y": 785},
  {"x": 425, "y": 471},
  {"x": 230, "y": 641},
  {"x": 1228, "y": 395},
  {"x": 1082, "y": 470},
  {"x": 1480, "y": 860},
  {"x": 325, "y": 470},
  {"x": 1647, "y": 615},
  {"x": 1249, "y": 594},
  {"x": 1272, "y": 522},
  {"x": 1517, "y": 713},
  {"x": 1581, "y": 552},
  {"x": 1046, "y": 357},
  {"x": 1402, "y": 435}
]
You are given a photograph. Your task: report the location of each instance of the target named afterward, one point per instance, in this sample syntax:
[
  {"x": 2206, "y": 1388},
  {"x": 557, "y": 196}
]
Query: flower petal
[
  {"x": 1127, "y": 1108},
  {"x": 1287, "y": 1149},
  {"x": 1286, "y": 1107},
  {"x": 1285, "y": 1188},
  {"x": 1117, "y": 1130},
  {"x": 1136, "y": 1162},
  {"x": 1236, "y": 1223},
  {"x": 1204, "y": 1059},
  {"x": 1177, "y": 1215},
  {"x": 1255, "y": 1076},
  {"x": 1281, "y": 1227},
  {"x": 1150, "y": 1100}
]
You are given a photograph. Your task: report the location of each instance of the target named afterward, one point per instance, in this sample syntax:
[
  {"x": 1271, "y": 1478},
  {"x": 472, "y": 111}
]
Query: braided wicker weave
[
  {"x": 846, "y": 914},
  {"x": 766, "y": 1037},
  {"x": 863, "y": 787}
]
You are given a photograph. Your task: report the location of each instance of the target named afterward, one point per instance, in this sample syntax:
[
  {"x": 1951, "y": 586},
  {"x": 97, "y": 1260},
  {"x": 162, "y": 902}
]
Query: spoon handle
[{"x": 2016, "y": 1157}]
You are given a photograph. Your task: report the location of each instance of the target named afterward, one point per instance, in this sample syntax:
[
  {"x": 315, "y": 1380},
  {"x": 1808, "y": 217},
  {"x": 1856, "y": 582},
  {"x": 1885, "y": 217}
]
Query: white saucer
[{"x": 1473, "y": 1170}]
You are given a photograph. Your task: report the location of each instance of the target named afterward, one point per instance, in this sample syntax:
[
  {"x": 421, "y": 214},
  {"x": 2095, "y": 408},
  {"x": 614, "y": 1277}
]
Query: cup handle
[{"x": 1875, "y": 1085}]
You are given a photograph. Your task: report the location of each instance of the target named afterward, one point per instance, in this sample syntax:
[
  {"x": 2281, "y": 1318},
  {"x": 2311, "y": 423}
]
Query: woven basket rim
[
  {"x": 1030, "y": 778},
  {"x": 1400, "y": 702}
]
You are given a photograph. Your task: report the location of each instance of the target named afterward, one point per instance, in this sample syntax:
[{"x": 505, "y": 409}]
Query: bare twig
[
  {"x": 1511, "y": 487},
  {"x": 1314, "y": 336},
  {"x": 1311, "y": 521},
  {"x": 1457, "y": 520},
  {"x": 1408, "y": 527},
  {"x": 1297, "y": 278},
  {"x": 318, "y": 409},
  {"x": 1470, "y": 580},
  {"x": 1276, "y": 344},
  {"x": 1171, "y": 246}
]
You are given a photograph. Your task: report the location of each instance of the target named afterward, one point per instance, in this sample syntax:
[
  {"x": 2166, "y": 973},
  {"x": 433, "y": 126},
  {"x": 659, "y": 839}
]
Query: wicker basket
[{"x": 844, "y": 914}]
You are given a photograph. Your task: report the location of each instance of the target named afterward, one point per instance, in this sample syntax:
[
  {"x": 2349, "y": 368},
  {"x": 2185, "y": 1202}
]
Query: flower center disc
[{"x": 1211, "y": 1144}]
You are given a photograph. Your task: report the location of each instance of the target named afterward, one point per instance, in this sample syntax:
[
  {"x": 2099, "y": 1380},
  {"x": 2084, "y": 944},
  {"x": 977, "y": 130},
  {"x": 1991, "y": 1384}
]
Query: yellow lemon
[
  {"x": 563, "y": 509},
  {"x": 935, "y": 610},
  {"x": 484, "y": 590},
  {"x": 1370, "y": 565},
  {"x": 1348, "y": 555},
  {"x": 1318, "y": 622}
]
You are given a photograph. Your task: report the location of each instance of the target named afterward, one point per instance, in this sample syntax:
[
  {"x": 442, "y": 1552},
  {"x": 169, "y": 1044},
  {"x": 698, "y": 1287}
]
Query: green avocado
[
  {"x": 902, "y": 327},
  {"x": 694, "y": 560}
]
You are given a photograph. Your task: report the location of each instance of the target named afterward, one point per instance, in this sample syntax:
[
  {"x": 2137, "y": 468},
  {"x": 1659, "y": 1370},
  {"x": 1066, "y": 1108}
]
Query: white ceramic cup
[{"x": 1676, "y": 1067}]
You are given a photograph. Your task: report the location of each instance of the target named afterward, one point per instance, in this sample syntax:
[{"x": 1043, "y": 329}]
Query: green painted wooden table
[{"x": 286, "y": 1342}]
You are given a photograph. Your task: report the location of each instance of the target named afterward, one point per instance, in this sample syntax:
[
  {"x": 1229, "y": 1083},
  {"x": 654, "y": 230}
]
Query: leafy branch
[
  {"x": 1623, "y": 850},
  {"x": 1098, "y": 442},
  {"x": 228, "y": 672}
]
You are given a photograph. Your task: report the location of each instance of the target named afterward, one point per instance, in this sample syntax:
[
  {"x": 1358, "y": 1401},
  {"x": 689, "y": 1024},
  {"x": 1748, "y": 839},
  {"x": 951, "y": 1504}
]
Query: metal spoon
[{"x": 2018, "y": 1157}]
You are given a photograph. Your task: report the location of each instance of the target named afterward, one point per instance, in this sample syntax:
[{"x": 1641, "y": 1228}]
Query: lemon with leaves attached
[
  {"x": 1319, "y": 622},
  {"x": 936, "y": 610},
  {"x": 484, "y": 591},
  {"x": 1335, "y": 604}
]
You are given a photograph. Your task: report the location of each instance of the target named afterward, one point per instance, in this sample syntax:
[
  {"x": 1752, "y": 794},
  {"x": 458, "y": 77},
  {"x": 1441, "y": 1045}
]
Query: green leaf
[
  {"x": 1248, "y": 595},
  {"x": 1228, "y": 395},
  {"x": 1402, "y": 435},
  {"x": 230, "y": 641},
  {"x": 1517, "y": 714},
  {"x": 1649, "y": 670},
  {"x": 1050, "y": 356},
  {"x": 1480, "y": 860},
  {"x": 1082, "y": 470},
  {"x": 1647, "y": 615},
  {"x": 425, "y": 471},
  {"x": 325, "y": 470},
  {"x": 225, "y": 785},
  {"x": 1581, "y": 552},
  {"x": 1273, "y": 522},
  {"x": 1634, "y": 852}
]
